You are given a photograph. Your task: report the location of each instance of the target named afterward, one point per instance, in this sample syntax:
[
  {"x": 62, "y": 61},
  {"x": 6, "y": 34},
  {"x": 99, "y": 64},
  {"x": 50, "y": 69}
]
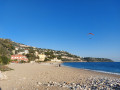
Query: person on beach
[{"x": 59, "y": 65}]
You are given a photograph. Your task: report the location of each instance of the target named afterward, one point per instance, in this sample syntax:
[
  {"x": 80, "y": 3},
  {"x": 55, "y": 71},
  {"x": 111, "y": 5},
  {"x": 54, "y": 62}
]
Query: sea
[{"x": 105, "y": 67}]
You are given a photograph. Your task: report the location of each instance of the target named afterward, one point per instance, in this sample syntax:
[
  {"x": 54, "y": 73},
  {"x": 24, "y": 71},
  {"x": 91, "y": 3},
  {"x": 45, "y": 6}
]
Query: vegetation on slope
[
  {"x": 7, "y": 47},
  {"x": 91, "y": 59}
]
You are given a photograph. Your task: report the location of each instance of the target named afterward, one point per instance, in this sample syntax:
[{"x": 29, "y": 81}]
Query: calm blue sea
[{"x": 108, "y": 67}]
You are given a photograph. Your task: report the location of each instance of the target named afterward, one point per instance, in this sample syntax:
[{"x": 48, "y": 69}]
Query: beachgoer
[{"x": 59, "y": 65}]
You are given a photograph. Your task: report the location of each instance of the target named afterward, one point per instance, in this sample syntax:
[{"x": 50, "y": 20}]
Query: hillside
[{"x": 8, "y": 48}]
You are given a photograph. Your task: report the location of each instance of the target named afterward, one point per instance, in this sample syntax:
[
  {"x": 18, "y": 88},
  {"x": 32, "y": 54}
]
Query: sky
[{"x": 64, "y": 25}]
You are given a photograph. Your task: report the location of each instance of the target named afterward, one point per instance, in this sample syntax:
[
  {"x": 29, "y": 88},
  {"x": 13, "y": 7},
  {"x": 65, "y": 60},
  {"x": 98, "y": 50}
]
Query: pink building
[{"x": 19, "y": 57}]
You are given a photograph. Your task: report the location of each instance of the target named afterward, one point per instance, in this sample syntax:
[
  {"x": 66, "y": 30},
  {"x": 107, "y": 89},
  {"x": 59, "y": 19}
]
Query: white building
[
  {"x": 41, "y": 57},
  {"x": 13, "y": 51},
  {"x": 21, "y": 52},
  {"x": 16, "y": 48},
  {"x": 56, "y": 60},
  {"x": 26, "y": 51},
  {"x": 36, "y": 53}
]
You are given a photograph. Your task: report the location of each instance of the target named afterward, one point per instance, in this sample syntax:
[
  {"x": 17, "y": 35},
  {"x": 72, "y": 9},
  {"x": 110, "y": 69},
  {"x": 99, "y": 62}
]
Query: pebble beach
[{"x": 47, "y": 76}]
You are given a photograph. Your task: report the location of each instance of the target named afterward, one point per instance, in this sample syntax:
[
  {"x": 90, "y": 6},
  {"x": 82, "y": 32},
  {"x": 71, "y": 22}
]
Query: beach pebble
[
  {"x": 39, "y": 83},
  {"x": 93, "y": 83}
]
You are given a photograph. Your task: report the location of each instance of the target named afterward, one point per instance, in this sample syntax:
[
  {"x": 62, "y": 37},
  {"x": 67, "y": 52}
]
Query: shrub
[
  {"x": 22, "y": 61},
  {"x": 4, "y": 68},
  {"x": 4, "y": 60}
]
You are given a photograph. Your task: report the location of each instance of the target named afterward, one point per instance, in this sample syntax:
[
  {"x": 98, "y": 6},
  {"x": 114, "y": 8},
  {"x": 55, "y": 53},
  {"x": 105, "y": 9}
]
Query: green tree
[
  {"x": 59, "y": 57},
  {"x": 31, "y": 50},
  {"x": 0, "y": 60},
  {"x": 22, "y": 61},
  {"x": 4, "y": 60},
  {"x": 47, "y": 59},
  {"x": 31, "y": 57}
]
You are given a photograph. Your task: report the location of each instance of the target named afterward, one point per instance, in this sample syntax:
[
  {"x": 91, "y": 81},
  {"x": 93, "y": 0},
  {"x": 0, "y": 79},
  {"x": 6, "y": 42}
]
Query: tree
[
  {"x": 22, "y": 61},
  {"x": 4, "y": 60},
  {"x": 0, "y": 60},
  {"x": 59, "y": 57},
  {"x": 47, "y": 59},
  {"x": 31, "y": 50},
  {"x": 31, "y": 57}
]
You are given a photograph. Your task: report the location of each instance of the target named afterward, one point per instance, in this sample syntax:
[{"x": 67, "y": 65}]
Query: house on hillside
[
  {"x": 19, "y": 57},
  {"x": 36, "y": 53},
  {"x": 16, "y": 48},
  {"x": 13, "y": 51},
  {"x": 26, "y": 51},
  {"x": 20, "y": 53},
  {"x": 41, "y": 57},
  {"x": 56, "y": 60}
]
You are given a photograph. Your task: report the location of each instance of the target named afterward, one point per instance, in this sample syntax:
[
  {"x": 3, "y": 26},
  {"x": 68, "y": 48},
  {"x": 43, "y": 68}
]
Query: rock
[
  {"x": 48, "y": 85},
  {"x": 93, "y": 88},
  {"x": 117, "y": 87},
  {"x": 39, "y": 83},
  {"x": 71, "y": 88}
]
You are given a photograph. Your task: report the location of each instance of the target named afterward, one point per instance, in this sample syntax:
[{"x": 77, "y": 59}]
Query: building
[
  {"x": 41, "y": 57},
  {"x": 16, "y": 48},
  {"x": 26, "y": 51},
  {"x": 19, "y": 57},
  {"x": 13, "y": 51},
  {"x": 36, "y": 53},
  {"x": 22, "y": 45},
  {"x": 20, "y": 52},
  {"x": 56, "y": 60}
]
